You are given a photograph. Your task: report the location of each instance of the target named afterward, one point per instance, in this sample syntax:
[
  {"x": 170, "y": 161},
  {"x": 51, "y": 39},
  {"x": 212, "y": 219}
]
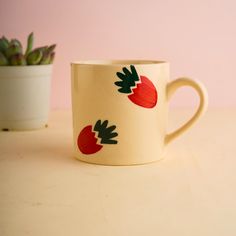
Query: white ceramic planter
[{"x": 24, "y": 96}]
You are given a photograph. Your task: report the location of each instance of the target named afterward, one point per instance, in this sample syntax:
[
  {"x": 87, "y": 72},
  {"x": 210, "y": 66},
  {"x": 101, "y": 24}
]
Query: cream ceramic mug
[{"x": 120, "y": 110}]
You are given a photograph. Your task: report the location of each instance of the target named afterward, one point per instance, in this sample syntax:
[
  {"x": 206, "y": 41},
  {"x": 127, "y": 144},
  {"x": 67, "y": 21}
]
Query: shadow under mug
[{"x": 120, "y": 110}]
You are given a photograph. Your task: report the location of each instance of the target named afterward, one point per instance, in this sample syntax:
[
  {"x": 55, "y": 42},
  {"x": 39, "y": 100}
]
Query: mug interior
[{"x": 117, "y": 62}]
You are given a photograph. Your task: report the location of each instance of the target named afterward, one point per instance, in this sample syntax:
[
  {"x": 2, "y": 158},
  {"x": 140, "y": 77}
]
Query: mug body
[{"x": 119, "y": 111}]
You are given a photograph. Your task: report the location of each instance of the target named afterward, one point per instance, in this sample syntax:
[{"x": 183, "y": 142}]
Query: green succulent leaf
[
  {"x": 43, "y": 49},
  {"x": 51, "y": 48},
  {"x": 3, "y": 60},
  {"x": 52, "y": 56},
  {"x": 16, "y": 42},
  {"x": 45, "y": 59},
  {"x": 5, "y": 39},
  {"x": 13, "y": 49},
  {"x": 18, "y": 60},
  {"x": 4, "y": 43},
  {"x": 48, "y": 55},
  {"x": 30, "y": 43},
  {"x": 34, "y": 57}
]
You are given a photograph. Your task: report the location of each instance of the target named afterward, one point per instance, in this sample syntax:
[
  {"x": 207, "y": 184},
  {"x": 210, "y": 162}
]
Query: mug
[{"x": 120, "y": 110}]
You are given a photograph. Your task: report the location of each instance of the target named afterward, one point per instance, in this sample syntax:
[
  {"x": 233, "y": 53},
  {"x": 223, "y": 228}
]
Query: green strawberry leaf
[
  {"x": 128, "y": 79},
  {"x": 105, "y": 133}
]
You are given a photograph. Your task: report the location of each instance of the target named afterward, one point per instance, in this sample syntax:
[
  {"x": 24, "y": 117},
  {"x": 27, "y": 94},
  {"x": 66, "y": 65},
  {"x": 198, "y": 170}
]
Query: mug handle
[{"x": 202, "y": 92}]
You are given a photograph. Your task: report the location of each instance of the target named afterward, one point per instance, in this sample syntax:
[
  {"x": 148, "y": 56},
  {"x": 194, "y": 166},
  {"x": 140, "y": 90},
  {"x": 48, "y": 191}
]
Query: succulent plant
[
  {"x": 3, "y": 60},
  {"x": 11, "y": 53}
]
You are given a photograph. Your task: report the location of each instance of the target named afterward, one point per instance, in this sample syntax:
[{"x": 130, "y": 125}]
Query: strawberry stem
[
  {"x": 105, "y": 133},
  {"x": 128, "y": 79}
]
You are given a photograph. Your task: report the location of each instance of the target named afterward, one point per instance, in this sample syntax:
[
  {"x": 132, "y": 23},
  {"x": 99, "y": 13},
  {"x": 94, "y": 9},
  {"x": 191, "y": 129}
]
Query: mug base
[{"x": 121, "y": 164}]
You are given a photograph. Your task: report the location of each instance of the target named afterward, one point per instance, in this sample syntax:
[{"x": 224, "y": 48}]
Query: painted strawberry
[
  {"x": 141, "y": 90},
  {"x": 87, "y": 141}
]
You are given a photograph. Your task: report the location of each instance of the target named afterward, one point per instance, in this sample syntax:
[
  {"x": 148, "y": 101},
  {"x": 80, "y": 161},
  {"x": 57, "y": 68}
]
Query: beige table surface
[{"x": 44, "y": 191}]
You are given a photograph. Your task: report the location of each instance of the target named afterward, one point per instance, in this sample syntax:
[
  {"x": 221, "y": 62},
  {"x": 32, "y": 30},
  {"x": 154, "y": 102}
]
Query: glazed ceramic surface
[
  {"x": 24, "y": 96},
  {"x": 120, "y": 110}
]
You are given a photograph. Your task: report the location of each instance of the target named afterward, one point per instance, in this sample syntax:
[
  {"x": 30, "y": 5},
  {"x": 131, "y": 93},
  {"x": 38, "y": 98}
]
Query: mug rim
[{"x": 118, "y": 62}]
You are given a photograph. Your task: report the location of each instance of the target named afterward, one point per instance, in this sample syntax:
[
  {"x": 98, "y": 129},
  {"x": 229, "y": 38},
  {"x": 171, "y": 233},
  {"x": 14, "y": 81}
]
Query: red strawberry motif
[
  {"x": 87, "y": 141},
  {"x": 141, "y": 90}
]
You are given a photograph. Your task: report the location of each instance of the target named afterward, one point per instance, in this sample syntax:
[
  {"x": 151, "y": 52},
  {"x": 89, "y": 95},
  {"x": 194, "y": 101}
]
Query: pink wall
[{"x": 197, "y": 37}]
